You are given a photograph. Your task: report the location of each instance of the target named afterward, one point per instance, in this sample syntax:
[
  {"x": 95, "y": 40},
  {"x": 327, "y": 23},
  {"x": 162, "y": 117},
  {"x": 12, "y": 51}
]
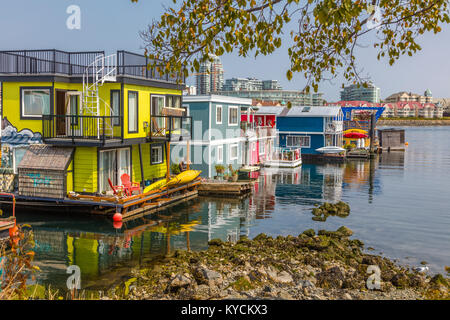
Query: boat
[
  {"x": 156, "y": 185},
  {"x": 285, "y": 158},
  {"x": 182, "y": 178},
  {"x": 186, "y": 177},
  {"x": 330, "y": 149}
]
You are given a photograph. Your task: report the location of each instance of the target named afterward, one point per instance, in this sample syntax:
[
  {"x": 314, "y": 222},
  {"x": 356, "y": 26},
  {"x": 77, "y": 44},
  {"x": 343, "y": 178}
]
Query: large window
[
  {"x": 173, "y": 101},
  {"x": 298, "y": 141},
  {"x": 158, "y": 103},
  {"x": 157, "y": 154},
  {"x": 234, "y": 152},
  {"x": 233, "y": 116},
  {"x": 113, "y": 164},
  {"x": 133, "y": 112},
  {"x": 262, "y": 145},
  {"x": 115, "y": 106},
  {"x": 74, "y": 105},
  {"x": 35, "y": 102},
  {"x": 218, "y": 114}
]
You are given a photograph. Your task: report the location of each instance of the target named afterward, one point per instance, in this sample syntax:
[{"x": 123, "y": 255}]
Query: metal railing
[
  {"x": 46, "y": 62},
  {"x": 35, "y": 62},
  {"x": 76, "y": 127},
  {"x": 287, "y": 154},
  {"x": 136, "y": 65},
  {"x": 171, "y": 128}
]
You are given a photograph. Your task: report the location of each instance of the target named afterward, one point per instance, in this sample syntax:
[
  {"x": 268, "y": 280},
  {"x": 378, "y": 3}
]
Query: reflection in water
[{"x": 383, "y": 215}]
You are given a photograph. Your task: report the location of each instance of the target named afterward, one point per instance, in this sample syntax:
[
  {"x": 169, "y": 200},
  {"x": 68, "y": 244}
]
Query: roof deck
[{"x": 32, "y": 63}]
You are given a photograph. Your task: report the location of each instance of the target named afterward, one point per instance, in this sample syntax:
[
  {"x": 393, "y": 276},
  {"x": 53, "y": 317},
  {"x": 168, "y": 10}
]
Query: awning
[{"x": 44, "y": 157}]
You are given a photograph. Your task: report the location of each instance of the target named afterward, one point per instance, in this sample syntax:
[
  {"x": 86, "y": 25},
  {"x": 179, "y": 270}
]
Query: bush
[{"x": 219, "y": 168}]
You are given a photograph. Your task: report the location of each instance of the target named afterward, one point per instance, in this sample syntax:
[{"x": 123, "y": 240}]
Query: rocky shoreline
[
  {"x": 310, "y": 266},
  {"x": 413, "y": 123}
]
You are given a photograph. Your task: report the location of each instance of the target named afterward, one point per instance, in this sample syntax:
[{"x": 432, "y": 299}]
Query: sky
[{"x": 115, "y": 25}]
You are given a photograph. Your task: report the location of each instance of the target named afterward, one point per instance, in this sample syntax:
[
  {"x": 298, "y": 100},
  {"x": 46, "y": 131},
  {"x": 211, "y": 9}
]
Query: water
[{"x": 399, "y": 206}]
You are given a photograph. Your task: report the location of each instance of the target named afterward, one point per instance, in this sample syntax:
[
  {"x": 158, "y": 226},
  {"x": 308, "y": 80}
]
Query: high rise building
[
  {"x": 210, "y": 77},
  {"x": 355, "y": 93}
]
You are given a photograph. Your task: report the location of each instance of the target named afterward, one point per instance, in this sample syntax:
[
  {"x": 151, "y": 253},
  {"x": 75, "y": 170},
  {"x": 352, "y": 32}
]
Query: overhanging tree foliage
[{"x": 323, "y": 33}]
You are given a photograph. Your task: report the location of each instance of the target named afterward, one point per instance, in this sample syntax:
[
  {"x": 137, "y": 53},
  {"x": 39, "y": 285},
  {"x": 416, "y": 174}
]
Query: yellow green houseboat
[{"x": 75, "y": 122}]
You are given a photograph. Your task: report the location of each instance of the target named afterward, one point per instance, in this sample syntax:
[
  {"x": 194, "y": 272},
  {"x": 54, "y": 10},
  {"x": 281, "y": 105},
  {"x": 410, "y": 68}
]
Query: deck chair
[
  {"x": 128, "y": 185},
  {"x": 114, "y": 188},
  {"x": 155, "y": 130}
]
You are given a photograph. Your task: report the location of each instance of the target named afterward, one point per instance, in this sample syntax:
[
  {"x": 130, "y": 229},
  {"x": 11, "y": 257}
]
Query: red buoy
[
  {"x": 117, "y": 224},
  {"x": 117, "y": 217}
]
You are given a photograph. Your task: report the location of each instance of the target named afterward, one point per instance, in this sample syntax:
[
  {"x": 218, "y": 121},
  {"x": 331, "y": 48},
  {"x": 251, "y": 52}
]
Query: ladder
[{"x": 103, "y": 69}]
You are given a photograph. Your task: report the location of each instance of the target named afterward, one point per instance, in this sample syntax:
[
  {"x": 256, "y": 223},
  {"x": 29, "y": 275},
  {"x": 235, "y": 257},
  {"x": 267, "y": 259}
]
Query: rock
[
  {"x": 439, "y": 280},
  {"x": 417, "y": 281},
  {"x": 400, "y": 280},
  {"x": 284, "y": 296},
  {"x": 283, "y": 277},
  {"x": 309, "y": 233},
  {"x": 179, "y": 281},
  {"x": 347, "y": 296},
  {"x": 346, "y": 232},
  {"x": 215, "y": 242},
  {"x": 306, "y": 284},
  {"x": 331, "y": 278},
  {"x": 204, "y": 275},
  {"x": 370, "y": 260}
]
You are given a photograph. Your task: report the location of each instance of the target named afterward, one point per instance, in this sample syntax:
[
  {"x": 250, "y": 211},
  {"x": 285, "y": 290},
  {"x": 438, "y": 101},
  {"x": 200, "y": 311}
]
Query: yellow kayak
[
  {"x": 182, "y": 178},
  {"x": 187, "y": 176},
  {"x": 156, "y": 185}
]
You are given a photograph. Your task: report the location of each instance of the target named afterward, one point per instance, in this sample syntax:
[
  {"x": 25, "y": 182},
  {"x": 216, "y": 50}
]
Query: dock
[
  {"x": 129, "y": 207},
  {"x": 224, "y": 188}
]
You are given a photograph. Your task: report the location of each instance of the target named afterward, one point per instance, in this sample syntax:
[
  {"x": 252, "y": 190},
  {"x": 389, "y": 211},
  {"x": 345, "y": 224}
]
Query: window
[
  {"x": 220, "y": 154},
  {"x": 132, "y": 112},
  {"x": 73, "y": 108},
  {"x": 262, "y": 147},
  {"x": 232, "y": 116},
  {"x": 158, "y": 103},
  {"x": 115, "y": 106},
  {"x": 233, "y": 152},
  {"x": 298, "y": 141},
  {"x": 218, "y": 114},
  {"x": 173, "y": 101},
  {"x": 35, "y": 102},
  {"x": 156, "y": 154}
]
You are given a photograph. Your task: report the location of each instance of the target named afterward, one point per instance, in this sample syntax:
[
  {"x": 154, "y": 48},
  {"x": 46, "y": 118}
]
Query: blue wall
[{"x": 300, "y": 124}]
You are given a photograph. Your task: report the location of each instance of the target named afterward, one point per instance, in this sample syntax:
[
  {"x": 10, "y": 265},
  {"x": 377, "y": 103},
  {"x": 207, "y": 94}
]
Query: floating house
[
  {"x": 310, "y": 128},
  {"x": 95, "y": 117},
  {"x": 259, "y": 127},
  {"x": 217, "y": 138}
]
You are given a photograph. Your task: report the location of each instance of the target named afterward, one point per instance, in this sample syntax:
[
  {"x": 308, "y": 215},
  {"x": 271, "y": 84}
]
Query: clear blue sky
[{"x": 114, "y": 25}]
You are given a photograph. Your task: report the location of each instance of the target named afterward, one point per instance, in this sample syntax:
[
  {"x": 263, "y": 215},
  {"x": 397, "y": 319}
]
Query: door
[{"x": 60, "y": 113}]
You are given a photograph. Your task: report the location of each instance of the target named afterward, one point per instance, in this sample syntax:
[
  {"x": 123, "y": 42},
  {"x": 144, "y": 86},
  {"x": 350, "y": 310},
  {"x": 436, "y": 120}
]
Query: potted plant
[
  {"x": 220, "y": 169},
  {"x": 233, "y": 174},
  {"x": 175, "y": 168}
]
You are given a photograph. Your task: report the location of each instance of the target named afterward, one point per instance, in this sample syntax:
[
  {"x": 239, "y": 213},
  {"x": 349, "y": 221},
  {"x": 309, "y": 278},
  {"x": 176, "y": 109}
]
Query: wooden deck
[
  {"x": 224, "y": 188},
  {"x": 130, "y": 207}
]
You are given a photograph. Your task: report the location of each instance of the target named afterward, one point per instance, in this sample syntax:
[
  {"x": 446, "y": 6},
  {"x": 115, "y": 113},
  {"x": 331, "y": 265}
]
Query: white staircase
[{"x": 104, "y": 68}]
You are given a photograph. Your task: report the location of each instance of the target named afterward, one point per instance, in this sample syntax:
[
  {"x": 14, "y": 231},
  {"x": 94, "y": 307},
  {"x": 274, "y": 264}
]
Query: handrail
[{"x": 13, "y": 203}]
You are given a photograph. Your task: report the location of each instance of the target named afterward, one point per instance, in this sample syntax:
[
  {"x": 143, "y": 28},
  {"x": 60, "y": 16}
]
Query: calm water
[{"x": 399, "y": 206}]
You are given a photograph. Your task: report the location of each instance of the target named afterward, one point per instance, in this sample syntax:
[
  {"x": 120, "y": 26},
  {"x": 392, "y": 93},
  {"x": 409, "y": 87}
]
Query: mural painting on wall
[{"x": 11, "y": 136}]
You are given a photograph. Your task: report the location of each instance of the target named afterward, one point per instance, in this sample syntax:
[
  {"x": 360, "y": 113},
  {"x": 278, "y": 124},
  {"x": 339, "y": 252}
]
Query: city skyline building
[
  {"x": 360, "y": 93},
  {"x": 210, "y": 77}
]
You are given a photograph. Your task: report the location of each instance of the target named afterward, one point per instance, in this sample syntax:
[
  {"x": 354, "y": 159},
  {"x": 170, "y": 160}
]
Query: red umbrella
[{"x": 356, "y": 135}]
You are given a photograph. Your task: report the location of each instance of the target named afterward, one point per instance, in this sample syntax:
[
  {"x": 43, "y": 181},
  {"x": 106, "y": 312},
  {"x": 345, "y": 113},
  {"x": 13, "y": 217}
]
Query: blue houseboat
[
  {"x": 310, "y": 128},
  {"x": 217, "y": 135}
]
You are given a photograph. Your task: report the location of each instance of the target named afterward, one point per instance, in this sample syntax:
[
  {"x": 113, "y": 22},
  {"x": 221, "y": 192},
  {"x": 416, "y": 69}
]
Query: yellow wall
[
  {"x": 70, "y": 177},
  {"x": 86, "y": 169},
  {"x": 150, "y": 171},
  {"x": 12, "y": 107}
]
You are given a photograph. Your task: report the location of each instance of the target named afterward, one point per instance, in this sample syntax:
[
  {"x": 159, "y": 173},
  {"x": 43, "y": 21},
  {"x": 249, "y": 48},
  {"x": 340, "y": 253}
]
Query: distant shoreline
[{"x": 416, "y": 123}]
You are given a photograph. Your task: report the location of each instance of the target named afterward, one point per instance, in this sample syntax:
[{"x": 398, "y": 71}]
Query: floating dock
[
  {"x": 224, "y": 188},
  {"x": 129, "y": 207}
]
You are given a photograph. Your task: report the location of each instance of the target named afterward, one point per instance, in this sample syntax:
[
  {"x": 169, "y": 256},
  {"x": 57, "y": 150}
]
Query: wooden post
[
  {"x": 142, "y": 167},
  {"x": 168, "y": 159},
  {"x": 372, "y": 132},
  {"x": 188, "y": 155}
]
